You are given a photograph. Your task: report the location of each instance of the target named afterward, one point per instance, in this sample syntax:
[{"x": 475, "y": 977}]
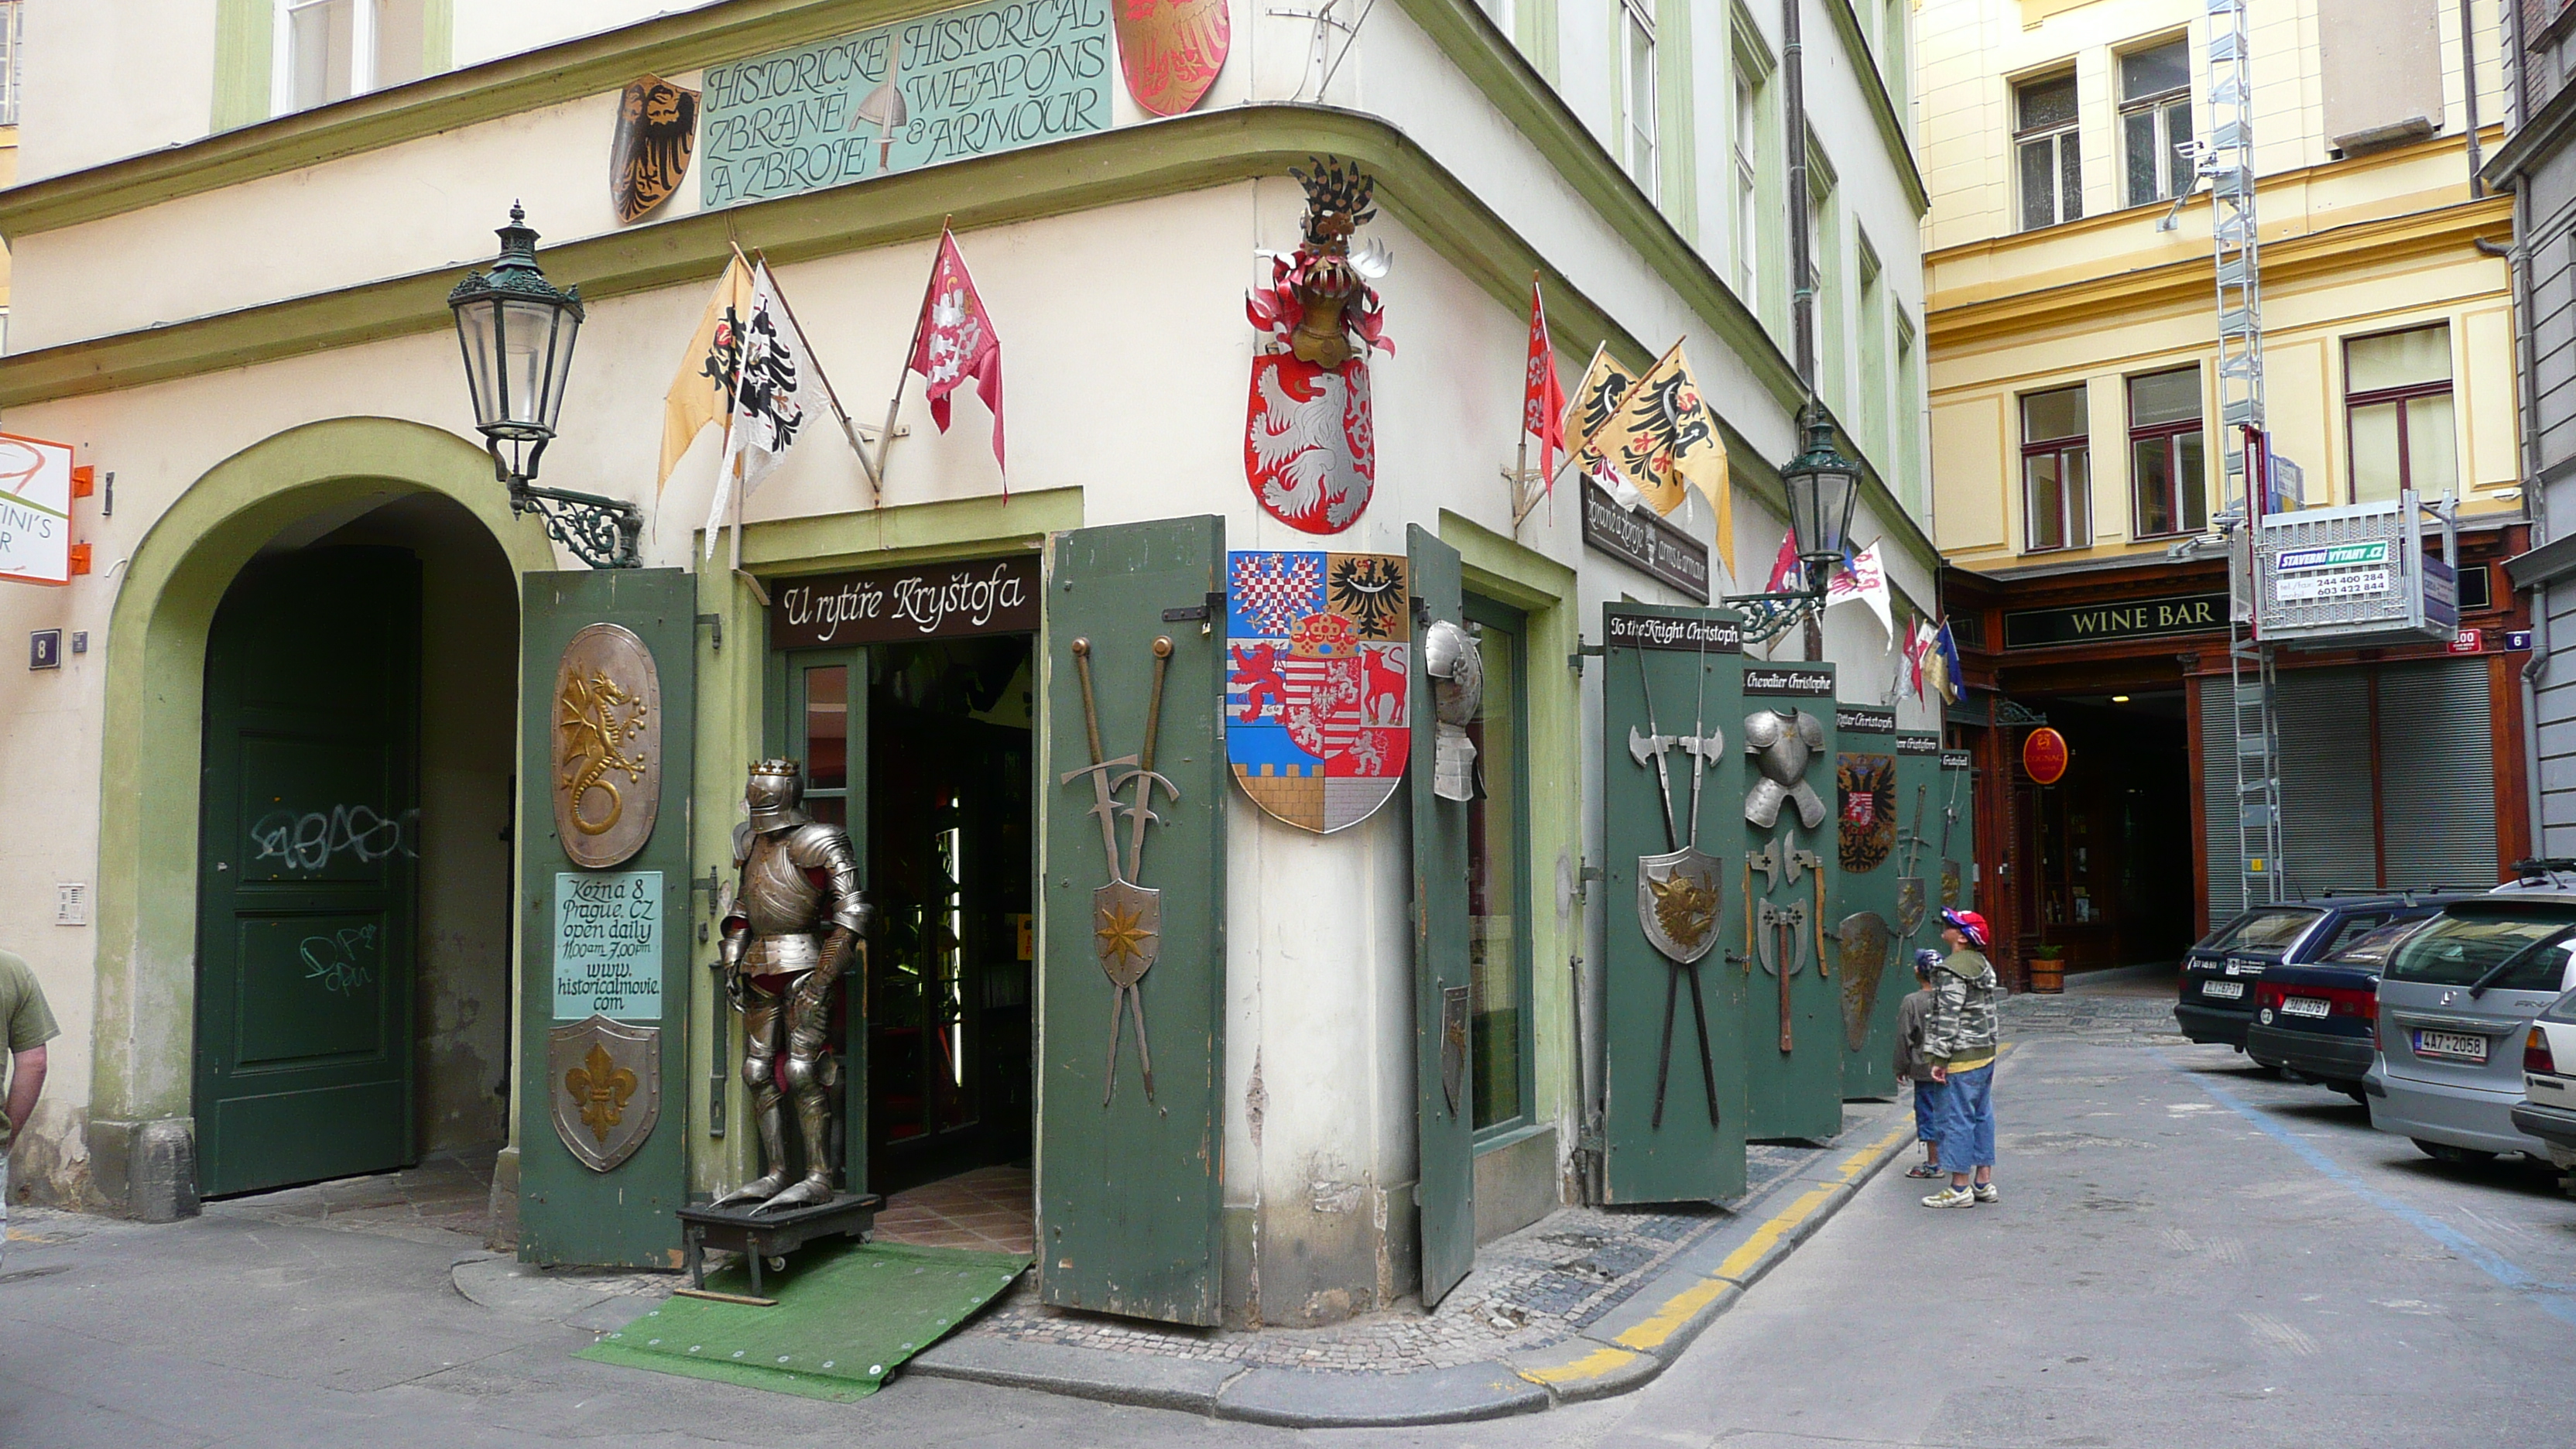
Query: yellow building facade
[{"x": 2072, "y": 332}]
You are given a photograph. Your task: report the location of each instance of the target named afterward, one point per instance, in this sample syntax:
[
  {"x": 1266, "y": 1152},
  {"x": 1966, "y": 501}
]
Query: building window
[
  {"x": 2155, "y": 118},
  {"x": 2056, "y": 470},
  {"x": 2397, "y": 408},
  {"x": 2045, "y": 140},
  {"x": 12, "y": 21},
  {"x": 1907, "y": 420},
  {"x": 1874, "y": 420},
  {"x": 1748, "y": 227},
  {"x": 2166, "y": 453},
  {"x": 1824, "y": 281},
  {"x": 330, "y": 50},
  {"x": 1637, "y": 90},
  {"x": 1498, "y": 938}
]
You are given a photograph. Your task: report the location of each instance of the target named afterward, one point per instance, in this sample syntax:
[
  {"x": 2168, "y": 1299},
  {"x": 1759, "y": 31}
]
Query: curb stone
[
  {"x": 1146, "y": 1380},
  {"x": 1306, "y": 1399}
]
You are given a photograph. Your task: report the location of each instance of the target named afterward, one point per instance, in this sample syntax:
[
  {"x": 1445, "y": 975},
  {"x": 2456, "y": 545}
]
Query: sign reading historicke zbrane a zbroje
[{"x": 946, "y": 87}]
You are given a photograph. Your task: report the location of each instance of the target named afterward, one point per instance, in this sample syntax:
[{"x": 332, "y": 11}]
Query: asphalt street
[{"x": 2187, "y": 1252}]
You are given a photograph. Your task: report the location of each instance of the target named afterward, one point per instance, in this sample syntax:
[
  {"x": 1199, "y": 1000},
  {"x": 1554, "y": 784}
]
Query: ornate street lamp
[
  {"x": 517, "y": 332},
  {"x": 1822, "y": 485}
]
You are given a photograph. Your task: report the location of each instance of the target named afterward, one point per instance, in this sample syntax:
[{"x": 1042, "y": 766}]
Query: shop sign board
[
  {"x": 1691, "y": 636},
  {"x": 1645, "y": 542},
  {"x": 950, "y": 86},
  {"x": 1789, "y": 680},
  {"x": 1911, "y": 743},
  {"x": 897, "y": 605},
  {"x": 35, "y": 510},
  {"x": 1865, "y": 719},
  {"x": 608, "y": 945},
  {"x": 2044, "y": 755},
  {"x": 2127, "y": 619}
]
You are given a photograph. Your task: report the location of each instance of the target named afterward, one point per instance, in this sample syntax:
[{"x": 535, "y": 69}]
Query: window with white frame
[
  {"x": 2155, "y": 118},
  {"x": 1637, "y": 90},
  {"x": 2056, "y": 470},
  {"x": 1748, "y": 226},
  {"x": 11, "y": 20},
  {"x": 330, "y": 50},
  {"x": 2046, "y": 146}
]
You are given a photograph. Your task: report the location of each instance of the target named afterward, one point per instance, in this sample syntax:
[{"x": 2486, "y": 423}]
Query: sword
[{"x": 1657, "y": 744}]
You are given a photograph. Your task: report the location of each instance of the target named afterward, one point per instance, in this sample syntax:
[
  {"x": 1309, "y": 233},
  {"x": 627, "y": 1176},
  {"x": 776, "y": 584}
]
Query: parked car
[
  {"x": 2456, "y": 1002},
  {"x": 2218, "y": 975},
  {"x": 2548, "y": 1108},
  {"x": 2320, "y": 1022}
]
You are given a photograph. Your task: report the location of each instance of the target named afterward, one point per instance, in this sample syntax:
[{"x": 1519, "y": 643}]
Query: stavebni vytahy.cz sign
[
  {"x": 962, "y": 83},
  {"x": 608, "y": 945}
]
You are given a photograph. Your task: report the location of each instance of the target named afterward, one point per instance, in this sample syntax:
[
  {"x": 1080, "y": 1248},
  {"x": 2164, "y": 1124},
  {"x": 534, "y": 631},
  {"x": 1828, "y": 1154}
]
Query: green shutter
[
  {"x": 1129, "y": 1191},
  {"x": 1445, "y": 1189},
  {"x": 568, "y": 1213},
  {"x": 1686, "y": 1158}
]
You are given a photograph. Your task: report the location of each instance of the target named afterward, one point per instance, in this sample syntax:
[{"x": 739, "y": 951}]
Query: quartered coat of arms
[
  {"x": 1318, "y": 685},
  {"x": 604, "y": 1079},
  {"x": 1866, "y": 786}
]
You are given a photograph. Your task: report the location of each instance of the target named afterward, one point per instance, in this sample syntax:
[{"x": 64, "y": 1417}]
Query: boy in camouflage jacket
[{"x": 1959, "y": 1038}]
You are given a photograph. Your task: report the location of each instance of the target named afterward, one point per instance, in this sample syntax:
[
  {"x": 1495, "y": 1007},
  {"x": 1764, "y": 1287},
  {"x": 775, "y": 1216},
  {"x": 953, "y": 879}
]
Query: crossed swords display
[
  {"x": 1126, "y": 918},
  {"x": 1678, "y": 891}
]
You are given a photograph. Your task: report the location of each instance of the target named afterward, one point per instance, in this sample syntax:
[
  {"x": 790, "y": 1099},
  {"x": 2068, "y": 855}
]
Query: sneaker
[
  {"x": 1951, "y": 1197},
  {"x": 1924, "y": 1172},
  {"x": 1985, "y": 1192}
]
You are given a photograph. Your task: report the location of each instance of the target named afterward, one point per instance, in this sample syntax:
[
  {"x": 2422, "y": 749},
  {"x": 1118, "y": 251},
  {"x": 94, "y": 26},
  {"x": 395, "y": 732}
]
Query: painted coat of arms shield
[
  {"x": 1308, "y": 447},
  {"x": 1867, "y": 785},
  {"x": 1318, "y": 689},
  {"x": 604, "y": 1079}
]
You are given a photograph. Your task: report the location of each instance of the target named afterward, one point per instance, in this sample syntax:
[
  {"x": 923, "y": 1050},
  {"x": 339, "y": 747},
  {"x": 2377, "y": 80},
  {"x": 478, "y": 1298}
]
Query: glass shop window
[
  {"x": 2397, "y": 408},
  {"x": 2167, "y": 458},
  {"x": 2056, "y": 470},
  {"x": 2046, "y": 146},
  {"x": 1498, "y": 944},
  {"x": 2155, "y": 118},
  {"x": 330, "y": 50}
]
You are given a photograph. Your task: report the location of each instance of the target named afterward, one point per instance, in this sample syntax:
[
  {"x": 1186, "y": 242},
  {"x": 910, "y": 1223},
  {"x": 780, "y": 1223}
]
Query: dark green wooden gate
[
  {"x": 1954, "y": 840},
  {"x": 1798, "y": 1093},
  {"x": 1869, "y": 765},
  {"x": 567, "y": 1212},
  {"x": 1688, "y": 659},
  {"x": 1444, "y": 1069},
  {"x": 306, "y": 869},
  {"x": 1129, "y": 1187}
]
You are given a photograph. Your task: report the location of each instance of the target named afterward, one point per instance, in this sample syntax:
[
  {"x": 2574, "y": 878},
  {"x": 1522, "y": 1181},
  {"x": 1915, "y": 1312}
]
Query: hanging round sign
[{"x": 2044, "y": 755}]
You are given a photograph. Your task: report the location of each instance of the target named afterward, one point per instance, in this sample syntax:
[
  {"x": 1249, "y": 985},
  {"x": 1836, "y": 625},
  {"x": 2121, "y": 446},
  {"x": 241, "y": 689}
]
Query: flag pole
[
  {"x": 849, "y": 429},
  {"x": 885, "y": 439}
]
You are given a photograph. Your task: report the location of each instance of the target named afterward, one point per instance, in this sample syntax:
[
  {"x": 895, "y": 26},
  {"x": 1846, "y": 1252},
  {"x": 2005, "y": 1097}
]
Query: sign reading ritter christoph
[
  {"x": 890, "y": 606},
  {"x": 962, "y": 83}
]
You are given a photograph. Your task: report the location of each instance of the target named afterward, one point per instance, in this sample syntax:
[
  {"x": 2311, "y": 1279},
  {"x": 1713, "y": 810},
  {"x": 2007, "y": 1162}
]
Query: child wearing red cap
[{"x": 1959, "y": 1035}]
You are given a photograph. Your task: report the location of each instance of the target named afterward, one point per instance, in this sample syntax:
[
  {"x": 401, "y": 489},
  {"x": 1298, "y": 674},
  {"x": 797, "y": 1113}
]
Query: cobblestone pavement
[{"x": 1531, "y": 1288}]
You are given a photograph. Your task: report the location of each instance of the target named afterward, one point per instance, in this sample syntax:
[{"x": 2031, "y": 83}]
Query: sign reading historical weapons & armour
[
  {"x": 607, "y": 751},
  {"x": 1126, "y": 918},
  {"x": 1319, "y": 657}
]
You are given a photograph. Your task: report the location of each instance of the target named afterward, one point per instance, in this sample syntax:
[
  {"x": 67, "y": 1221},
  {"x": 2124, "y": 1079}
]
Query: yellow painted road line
[{"x": 1591, "y": 1366}]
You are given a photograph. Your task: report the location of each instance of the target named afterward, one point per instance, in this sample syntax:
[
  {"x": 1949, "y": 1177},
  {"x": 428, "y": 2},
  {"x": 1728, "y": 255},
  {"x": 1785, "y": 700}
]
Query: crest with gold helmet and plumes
[{"x": 1319, "y": 305}]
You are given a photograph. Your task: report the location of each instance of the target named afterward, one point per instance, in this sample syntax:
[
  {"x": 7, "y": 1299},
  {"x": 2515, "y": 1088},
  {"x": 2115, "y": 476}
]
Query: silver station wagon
[{"x": 2456, "y": 1001}]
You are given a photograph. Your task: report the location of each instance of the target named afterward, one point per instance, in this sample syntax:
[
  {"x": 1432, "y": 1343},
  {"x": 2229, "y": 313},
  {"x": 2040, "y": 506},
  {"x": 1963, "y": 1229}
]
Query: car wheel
[{"x": 2445, "y": 1152}]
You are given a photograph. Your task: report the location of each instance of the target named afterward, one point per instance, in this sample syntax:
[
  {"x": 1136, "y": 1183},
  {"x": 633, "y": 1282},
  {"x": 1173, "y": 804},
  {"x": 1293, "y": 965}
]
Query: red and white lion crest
[{"x": 1307, "y": 444}]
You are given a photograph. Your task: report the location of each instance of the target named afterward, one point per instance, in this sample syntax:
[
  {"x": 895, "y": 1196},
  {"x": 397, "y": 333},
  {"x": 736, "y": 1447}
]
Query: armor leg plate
[
  {"x": 808, "y": 1065},
  {"x": 760, "y": 1021}
]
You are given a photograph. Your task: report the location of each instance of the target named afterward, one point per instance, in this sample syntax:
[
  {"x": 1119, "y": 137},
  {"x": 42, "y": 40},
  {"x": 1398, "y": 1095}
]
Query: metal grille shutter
[
  {"x": 2437, "y": 754},
  {"x": 2217, "y": 796},
  {"x": 2327, "y": 837}
]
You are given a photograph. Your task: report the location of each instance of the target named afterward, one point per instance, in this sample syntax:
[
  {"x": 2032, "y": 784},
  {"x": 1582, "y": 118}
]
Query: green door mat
[{"x": 847, "y": 1314}]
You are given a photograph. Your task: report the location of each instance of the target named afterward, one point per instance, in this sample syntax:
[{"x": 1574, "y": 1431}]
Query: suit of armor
[
  {"x": 797, "y": 914},
  {"x": 1781, "y": 744}
]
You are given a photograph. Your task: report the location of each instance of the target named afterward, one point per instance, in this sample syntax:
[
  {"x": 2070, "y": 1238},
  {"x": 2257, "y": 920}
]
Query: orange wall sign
[{"x": 2044, "y": 755}]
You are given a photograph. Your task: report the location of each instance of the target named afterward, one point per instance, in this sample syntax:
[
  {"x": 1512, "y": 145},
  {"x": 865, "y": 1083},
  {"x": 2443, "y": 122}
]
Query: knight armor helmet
[
  {"x": 1781, "y": 744},
  {"x": 776, "y": 795}
]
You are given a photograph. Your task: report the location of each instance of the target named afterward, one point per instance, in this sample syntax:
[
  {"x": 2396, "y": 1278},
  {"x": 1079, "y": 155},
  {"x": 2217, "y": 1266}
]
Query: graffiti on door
[
  {"x": 307, "y": 840},
  {"x": 341, "y": 962}
]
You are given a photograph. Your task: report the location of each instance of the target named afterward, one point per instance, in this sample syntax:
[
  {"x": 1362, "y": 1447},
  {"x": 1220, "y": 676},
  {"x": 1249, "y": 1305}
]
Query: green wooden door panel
[
  {"x": 1445, "y": 1187},
  {"x": 1797, "y": 1094},
  {"x": 1869, "y": 748},
  {"x": 1129, "y": 1190},
  {"x": 1685, "y": 1159},
  {"x": 306, "y": 871},
  {"x": 1954, "y": 838},
  {"x": 568, "y": 1213}
]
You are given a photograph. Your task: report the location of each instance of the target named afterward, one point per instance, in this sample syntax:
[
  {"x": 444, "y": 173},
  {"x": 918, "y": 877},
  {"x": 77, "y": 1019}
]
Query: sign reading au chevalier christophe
[
  {"x": 946, "y": 87},
  {"x": 890, "y": 606}
]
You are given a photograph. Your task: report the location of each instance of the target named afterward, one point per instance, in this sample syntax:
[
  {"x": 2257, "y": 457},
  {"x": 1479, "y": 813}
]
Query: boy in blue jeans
[{"x": 1913, "y": 1066}]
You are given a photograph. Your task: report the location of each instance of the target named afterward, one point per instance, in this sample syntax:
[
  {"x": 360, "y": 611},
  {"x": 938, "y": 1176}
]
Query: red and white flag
[
  {"x": 1542, "y": 395},
  {"x": 1864, "y": 578},
  {"x": 1918, "y": 643},
  {"x": 955, "y": 341},
  {"x": 1786, "y": 575}
]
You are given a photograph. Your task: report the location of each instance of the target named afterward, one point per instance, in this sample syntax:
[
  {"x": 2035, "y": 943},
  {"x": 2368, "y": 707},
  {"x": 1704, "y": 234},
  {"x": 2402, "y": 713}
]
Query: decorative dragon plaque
[{"x": 607, "y": 783}]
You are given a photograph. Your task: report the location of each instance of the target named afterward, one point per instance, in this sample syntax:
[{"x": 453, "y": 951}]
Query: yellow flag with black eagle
[
  {"x": 703, "y": 391},
  {"x": 1655, "y": 433}
]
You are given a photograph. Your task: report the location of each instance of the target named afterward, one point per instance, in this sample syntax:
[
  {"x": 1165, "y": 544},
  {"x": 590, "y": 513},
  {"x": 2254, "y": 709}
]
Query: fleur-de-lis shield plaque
[{"x": 605, "y": 1081}]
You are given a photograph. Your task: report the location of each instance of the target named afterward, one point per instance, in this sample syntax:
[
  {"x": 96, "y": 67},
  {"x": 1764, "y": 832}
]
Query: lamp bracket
[{"x": 601, "y": 532}]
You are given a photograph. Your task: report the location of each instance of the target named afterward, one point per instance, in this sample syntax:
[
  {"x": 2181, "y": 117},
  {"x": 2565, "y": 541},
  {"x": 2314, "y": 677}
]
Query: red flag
[
  {"x": 1542, "y": 396},
  {"x": 955, "y": 341},
  {"x": 1786, "y": 575}
]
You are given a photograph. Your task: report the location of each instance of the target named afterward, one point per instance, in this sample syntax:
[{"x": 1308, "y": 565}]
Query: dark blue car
[
  {"x": 2219, "y": 974},
  {"x": 2319, "y": 1022}
]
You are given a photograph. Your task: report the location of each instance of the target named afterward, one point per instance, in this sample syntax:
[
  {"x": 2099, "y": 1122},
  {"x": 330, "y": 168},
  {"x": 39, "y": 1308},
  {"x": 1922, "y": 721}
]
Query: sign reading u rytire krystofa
[
  {"x": 959, "y": 84},
  {"x": 892, "y": 606}
]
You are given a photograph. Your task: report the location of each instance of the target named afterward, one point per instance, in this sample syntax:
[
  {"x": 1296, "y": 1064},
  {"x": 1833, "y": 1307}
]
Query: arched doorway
[{"x": 344, "y": 483}]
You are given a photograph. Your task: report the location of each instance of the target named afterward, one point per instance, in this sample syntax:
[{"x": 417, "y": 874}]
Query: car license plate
[
  {"x": 2455, "y": 1045},
  {"x": 2310, "y": 1006},
  {"x": 2224, "y": 990}
]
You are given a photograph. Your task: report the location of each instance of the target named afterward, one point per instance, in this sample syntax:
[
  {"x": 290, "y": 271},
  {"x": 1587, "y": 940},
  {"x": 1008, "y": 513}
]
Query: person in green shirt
[{"x": 30, "y": 1024}]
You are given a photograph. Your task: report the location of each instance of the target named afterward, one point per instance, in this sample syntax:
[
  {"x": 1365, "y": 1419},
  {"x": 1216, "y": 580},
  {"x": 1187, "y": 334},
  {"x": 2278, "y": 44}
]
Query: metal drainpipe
[
  {"x": 1802, "y": 282},
  {"x": 2535, "y": 498},
  {"x": 2469, "y": 90}
]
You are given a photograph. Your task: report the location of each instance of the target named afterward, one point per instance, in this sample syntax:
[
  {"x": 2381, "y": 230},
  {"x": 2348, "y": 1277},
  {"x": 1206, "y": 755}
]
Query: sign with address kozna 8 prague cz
[
  {"x": 946, "y": 87},
  {"x": 892, "y": 606},
  {"x": 2126, "y": 619}
]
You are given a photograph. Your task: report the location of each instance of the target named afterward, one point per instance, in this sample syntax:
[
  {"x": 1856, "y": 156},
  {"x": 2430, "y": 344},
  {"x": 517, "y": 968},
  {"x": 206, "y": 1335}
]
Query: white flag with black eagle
[{"x": 772, "y": 371}]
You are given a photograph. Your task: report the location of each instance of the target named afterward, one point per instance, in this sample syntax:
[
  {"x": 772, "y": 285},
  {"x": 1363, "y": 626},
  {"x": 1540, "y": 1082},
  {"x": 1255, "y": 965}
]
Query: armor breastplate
[
  {"x": 1782, "y": 746},
  {"x": 777, "y": 898}
]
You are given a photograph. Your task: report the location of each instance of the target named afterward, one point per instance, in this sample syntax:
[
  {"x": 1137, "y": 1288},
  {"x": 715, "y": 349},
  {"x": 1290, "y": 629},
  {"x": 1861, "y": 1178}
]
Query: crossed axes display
[{"x": 1780, "y": 936}]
